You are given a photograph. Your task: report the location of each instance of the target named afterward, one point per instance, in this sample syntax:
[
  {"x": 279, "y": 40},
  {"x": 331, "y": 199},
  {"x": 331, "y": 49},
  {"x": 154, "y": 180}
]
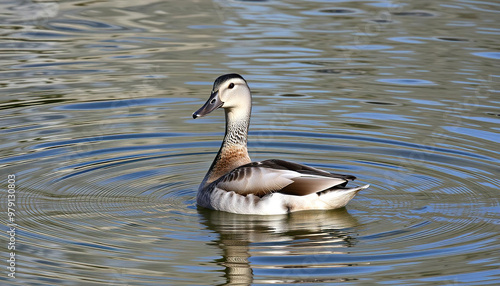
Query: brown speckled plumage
[{"x": 228, "y": 159}]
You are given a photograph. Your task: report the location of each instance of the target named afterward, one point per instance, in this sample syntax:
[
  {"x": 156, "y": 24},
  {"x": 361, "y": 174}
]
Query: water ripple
[{"x": 407, "y": 81}]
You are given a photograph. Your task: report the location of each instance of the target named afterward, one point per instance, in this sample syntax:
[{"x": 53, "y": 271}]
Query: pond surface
[{"x": 96, "y": 102}]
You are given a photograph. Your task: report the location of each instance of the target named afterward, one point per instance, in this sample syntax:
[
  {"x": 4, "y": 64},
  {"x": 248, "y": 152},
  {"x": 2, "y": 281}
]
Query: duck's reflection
[{"x": 311, "y": 234}]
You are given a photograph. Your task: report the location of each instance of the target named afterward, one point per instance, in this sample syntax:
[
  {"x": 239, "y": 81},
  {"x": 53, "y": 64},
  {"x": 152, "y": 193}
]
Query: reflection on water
[
  {"x": 295, "y": 247},
  {"x": 96, "y": 102}
]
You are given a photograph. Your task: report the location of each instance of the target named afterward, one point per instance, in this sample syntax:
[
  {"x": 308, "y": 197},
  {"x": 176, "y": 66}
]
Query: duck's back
[{"x": 277, "y": 186}]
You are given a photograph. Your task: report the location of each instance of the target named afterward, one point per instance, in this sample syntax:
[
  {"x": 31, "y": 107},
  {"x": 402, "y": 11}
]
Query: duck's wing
[{"x": 270, "y": 176}]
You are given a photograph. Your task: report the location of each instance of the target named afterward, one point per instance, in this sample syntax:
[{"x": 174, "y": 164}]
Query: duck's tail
[{"x": 338, "y": 197}]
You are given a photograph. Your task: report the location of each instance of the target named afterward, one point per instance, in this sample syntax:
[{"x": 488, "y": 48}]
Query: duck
[{"x": 235, "y": 184}]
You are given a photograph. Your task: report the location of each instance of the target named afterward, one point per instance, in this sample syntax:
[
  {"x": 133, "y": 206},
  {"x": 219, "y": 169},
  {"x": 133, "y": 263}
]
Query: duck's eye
[{"x": 231, "y": 85}]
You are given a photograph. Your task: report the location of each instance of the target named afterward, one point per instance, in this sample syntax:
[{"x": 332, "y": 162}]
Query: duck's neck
[{"x": 233, "y": 151}]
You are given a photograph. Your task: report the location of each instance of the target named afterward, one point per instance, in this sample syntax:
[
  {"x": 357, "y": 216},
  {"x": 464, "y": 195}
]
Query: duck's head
[{"x": 230, "y": 91}]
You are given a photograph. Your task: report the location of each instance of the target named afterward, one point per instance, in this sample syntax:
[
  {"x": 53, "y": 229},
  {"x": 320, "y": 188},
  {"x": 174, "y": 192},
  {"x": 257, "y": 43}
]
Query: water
[{"x": 96, "y": 102}]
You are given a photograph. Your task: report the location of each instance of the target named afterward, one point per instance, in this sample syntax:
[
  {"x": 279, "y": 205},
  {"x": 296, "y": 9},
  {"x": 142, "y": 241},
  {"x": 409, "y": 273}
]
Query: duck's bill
[{"x": 212, "y": 104}]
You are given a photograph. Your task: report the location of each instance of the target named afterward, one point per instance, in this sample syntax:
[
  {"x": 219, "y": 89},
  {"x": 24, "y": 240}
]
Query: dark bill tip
[{"x": 212, "y": 104}]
